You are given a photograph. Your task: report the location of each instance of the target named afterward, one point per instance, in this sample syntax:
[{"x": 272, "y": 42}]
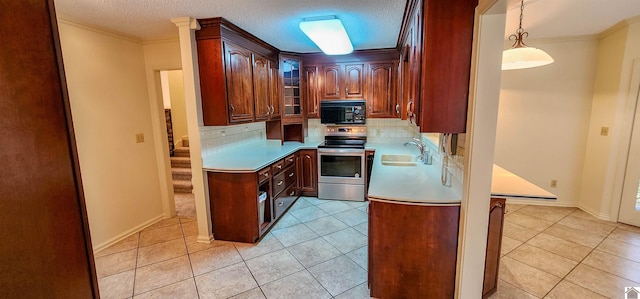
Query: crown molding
[{"x": 62, "y": 19}]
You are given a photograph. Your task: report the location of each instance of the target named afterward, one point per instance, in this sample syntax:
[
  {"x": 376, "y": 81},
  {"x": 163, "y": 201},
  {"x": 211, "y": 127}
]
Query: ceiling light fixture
[
  {"x": 521, "y": 56},
  {"x": 328, "y": 34}
]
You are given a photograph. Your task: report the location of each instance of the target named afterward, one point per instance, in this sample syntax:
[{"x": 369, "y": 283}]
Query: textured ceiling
[
  {"x": 561, "y": 18},
  {"x": 370, "y": 23}
]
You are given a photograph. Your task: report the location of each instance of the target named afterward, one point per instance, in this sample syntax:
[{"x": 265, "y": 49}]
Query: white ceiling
[{"x": 370, "y": 23}]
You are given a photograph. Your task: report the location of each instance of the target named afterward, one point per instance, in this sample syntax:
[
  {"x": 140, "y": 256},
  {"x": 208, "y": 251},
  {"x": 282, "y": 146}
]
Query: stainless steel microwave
[{"x": 343, "y": 112}]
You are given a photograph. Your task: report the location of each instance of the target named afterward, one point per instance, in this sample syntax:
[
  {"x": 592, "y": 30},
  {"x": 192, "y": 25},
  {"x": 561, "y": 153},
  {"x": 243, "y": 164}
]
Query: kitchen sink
[{"x": 399, "y": 160}]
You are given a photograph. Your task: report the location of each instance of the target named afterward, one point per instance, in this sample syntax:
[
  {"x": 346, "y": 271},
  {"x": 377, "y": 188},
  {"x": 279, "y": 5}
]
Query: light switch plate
[
  {"x": 139, "y": 138},
  {"x": 604, "y": 131}
]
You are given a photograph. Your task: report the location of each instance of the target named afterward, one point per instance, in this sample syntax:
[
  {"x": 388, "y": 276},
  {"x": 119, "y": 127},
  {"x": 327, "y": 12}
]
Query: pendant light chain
[
  {"x": 521, "y": 15},
  {"x": 520, "y": 33}
]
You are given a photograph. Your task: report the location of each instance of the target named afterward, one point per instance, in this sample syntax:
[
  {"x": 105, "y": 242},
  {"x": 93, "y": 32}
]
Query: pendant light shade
[
  {"x": 525, "y": 57},
  {"x": 521, "y": 56}
]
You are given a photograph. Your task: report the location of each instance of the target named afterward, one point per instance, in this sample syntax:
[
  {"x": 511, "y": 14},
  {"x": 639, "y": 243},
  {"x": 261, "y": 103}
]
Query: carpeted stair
[{"x": 181, "y": 170}]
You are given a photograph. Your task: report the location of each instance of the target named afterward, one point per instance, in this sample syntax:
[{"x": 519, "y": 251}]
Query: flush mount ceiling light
[
  {"x": 521, "y": 56},
  {"x": 328, "y": 34}
]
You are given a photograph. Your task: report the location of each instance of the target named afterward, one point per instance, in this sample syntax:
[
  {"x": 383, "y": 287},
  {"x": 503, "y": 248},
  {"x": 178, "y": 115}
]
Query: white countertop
[
  {"x": 416, "y": 184},
  {"x": 254, "y": 156},
  {"x": 506, "y": 184}
]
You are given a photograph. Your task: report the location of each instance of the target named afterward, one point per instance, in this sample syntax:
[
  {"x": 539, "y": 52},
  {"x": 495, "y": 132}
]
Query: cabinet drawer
[
  {"x": 279, "y": 183},
  {"x": 277, "y": 167},
  {"x": 285, "y": 200},
  {"x": 264, "y": 175},
  {"x": 289, "y": 160},
  {"x": 290, "y": 176}
]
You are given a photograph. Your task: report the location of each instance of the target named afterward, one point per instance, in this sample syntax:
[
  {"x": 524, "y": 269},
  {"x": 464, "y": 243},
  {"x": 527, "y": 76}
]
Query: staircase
[{"x": 181, "y": 170}]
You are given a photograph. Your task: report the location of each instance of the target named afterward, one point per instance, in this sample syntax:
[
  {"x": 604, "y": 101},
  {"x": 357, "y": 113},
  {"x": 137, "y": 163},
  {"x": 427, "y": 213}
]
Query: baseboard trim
[
  {"x": 539, "y": 202},
  {"x": 126, "y": 234},
  {"x": 602, "y": 216},
  {"x": 205, "y": 239}
]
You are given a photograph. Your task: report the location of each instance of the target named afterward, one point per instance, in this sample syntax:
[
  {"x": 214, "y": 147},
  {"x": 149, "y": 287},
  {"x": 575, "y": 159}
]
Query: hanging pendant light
[{"x": 521, "y": 56}]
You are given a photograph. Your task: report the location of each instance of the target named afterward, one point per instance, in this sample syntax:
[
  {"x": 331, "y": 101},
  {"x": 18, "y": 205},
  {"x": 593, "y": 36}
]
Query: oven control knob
[{"x": 356, "y": 111}]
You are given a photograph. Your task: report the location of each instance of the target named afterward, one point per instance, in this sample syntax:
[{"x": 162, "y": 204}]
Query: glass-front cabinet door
[{"x": 291, "y": 76}]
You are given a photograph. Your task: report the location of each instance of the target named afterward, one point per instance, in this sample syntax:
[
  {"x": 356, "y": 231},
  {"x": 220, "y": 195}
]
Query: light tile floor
[
  {"x": 555, "y": 252},
  {"x": 319, "y": 250}
]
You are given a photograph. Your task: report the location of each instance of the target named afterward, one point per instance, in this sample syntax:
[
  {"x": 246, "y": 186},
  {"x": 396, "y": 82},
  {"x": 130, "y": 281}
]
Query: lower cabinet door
[{"x": 285, "y": 200}]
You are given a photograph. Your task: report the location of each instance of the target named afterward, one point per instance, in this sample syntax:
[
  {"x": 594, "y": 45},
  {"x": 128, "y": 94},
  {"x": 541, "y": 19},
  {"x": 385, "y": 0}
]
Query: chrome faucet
[{"x": 424, "y": 150}]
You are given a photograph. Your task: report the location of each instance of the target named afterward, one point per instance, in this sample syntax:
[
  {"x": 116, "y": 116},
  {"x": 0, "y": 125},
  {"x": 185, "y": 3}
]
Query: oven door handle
[{"x": 338, "y": 151}]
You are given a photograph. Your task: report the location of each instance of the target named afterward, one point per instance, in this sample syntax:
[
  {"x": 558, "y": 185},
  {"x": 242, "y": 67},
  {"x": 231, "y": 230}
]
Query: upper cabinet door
[
  {"x": 354, "y": 81},
  {"x": 381, "y": 100},
  {"x": 274, "y": 90},
  {"x": 239, "y": 83},
  {"x": 291, "y": 83},
  {"x": 311, "y": 91},
  {"x": 261, "y": 94},
  {"x": 331, "y": 82}
]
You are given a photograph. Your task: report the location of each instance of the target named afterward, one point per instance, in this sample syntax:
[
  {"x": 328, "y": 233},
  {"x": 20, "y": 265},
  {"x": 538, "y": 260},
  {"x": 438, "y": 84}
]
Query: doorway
[
  {"x": 178, "y": 141},
  {"x": 630, "y": 202}
]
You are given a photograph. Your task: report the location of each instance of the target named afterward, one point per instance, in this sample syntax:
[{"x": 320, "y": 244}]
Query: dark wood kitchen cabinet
[
  {"x": 274, "y": 90},
  {"x": 436, "y": 46},
  {"x": 237, "y": 212},
  {"x": 343, "y": 81},
  {"x": 235, "y": 75},
  {"x": 419, "y": 264},
  {"x": 308, "y": 172},
  {"x": 497, "y": 209},
  {"x": 381, "y": 89},
  {"x": 311, "y": 90},
  {"x": 261, "y": 92}
]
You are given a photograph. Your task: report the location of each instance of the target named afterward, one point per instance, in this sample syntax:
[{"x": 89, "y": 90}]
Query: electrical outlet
[
  {"x": 554, "y": 183},
  {"x": 604, "y": 131},
  {"x": 139, "y": 138}
]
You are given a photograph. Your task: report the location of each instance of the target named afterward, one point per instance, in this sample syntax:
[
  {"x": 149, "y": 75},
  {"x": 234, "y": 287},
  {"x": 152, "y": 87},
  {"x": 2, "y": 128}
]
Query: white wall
[
  {"x": 612, "y": 107},
  {"x": 109, "y": 102},
  {"x": 178, "y": 107},
  {"x": 544, "y": 115}
]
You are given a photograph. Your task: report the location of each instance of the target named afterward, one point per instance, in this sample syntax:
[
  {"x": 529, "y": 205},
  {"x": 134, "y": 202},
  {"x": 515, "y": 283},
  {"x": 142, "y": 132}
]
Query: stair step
[
  {"x": 181, "y": 173},
  {"x": 181, "y": 152},
  {"x": 181, "y": 162},
  {"x": 182, "y": 186}
]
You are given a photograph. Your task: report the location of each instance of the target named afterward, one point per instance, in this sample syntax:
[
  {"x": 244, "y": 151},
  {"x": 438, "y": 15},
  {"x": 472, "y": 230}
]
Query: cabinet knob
[
  {"x": 266, "y": 175},
  {"x": 316, "y": 109},
  {"x": 281, "y": 203},
  {"x": 346, "y": 90},
  {"x": 290, "y": 160},
  {"x": 279, "y": 166},
  {"x": 280, "y": 183},
  {"x": 292, "y": 174},
  {"x": 292, "y": 193}
]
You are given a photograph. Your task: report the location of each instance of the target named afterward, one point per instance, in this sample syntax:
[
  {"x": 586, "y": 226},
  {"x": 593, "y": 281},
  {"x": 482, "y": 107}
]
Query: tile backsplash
[
  {"x": 379, "y": 130},
  {"x": 214, "y": 139}
]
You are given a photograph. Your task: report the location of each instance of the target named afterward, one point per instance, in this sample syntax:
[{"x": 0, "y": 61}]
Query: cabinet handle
[
  {"x": 266, "y": 175},
  {"x": 280, "y": 183},
  {"x": 291, "y": 174},
  {"x": 268, "y": 110},
  {"x": 290, "y": 160},
  {"x": 279, "y": 166},
  {"x": 273, "y": 110},
  {"x": 292, "y": 193},
  {"x": 281, "y": 203},
  {"x": 397, "y": 108},
  {"x": 233, "y": 109}
]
